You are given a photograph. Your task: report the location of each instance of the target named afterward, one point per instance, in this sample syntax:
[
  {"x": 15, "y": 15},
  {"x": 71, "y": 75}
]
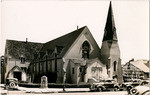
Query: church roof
[
  {"x": 110, "y": 30},
  {"x": 61, "y": 44},
  {"x": 17, "y": 49}
]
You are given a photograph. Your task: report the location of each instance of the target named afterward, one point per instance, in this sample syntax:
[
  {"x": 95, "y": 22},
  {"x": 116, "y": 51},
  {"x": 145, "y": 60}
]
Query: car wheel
[
  {"x": 12, "y": 85},
  {"x": 129, "y": 88},
  {"x": 133, "y": 91},
  {"x": 100, "y": 89}
]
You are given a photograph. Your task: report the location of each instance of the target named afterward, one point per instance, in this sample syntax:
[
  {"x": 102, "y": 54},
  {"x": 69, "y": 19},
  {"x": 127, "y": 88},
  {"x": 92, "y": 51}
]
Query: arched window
[
  {"x": 85, "y": 49},
  {"x": 115, "y": 65}
]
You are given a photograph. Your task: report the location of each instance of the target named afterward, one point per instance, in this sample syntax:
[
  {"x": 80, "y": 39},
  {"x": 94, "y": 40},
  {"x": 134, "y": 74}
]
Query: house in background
[
  {"x": 76, "y": 57},
  {"x": 138, "y": 69},
  {"x": 17, "y": 57}
]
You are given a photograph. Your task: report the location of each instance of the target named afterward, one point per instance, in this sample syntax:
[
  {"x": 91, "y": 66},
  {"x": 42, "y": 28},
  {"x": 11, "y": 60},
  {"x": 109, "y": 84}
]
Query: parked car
[
  {"x": 131, "y": 83},
  {"x": 140, "y": 90},
  {"x": 108, "y": 84},
  {"x": 11, "y": 83},
  {"x": 143, "y": 82}
]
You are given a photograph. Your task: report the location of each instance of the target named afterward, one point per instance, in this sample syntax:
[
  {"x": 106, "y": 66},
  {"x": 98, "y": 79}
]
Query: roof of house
[
  {"x": 17, "y": 49},
  {"x": 147, "y": 64},
  {"x": 61, "y": 44},
  {"x": 141, "y": 65}
]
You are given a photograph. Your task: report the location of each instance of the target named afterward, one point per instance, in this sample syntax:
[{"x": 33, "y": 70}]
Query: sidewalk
[
  {"x": 44, "y": 90},
  {"x": 52, "y": 90},
  {"x": 2, "y": 89}
]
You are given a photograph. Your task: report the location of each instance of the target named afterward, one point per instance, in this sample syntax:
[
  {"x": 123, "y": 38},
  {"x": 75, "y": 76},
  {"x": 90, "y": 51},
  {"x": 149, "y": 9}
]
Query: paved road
[
  {"x": 73, "y": 93},
  {"x": 57, "y": 91},
  {"x": 94, "y": 93}
]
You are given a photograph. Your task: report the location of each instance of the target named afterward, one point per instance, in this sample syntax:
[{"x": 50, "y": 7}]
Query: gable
[
  {"x": 140, "y": 66},
  {"x": 61, "y": 44},
  {"x": 16, "y": 69},
  {"x": 75, "y": 51},
  {"x": 132, "y": 67}
]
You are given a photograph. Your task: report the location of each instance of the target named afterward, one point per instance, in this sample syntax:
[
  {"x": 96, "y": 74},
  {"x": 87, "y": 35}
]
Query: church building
[
  {"x": 72, "y": 58},
  {"x": 76, "y": 57}
]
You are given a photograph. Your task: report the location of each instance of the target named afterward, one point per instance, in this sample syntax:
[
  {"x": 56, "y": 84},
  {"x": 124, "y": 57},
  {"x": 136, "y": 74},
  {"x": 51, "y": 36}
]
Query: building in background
[
  {"x": 17, "y": 57},
  {"x": 138, "y": 69}
]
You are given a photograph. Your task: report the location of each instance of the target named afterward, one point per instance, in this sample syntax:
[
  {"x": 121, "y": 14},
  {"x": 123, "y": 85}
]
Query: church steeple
[
  {"x": 110, "y": 30},
  {"x": 110, "y": 52}
]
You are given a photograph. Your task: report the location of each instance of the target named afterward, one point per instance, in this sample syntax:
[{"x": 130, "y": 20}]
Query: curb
[{"x": 41, "y": 92}]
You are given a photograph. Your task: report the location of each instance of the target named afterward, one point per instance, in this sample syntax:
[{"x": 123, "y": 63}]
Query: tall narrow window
[
  {"x": 34, "y": 68},
  {"x": 107, "y": 68},
  {"x": 22, "y": 60},
  {"x": 80, "y": 69},
  {"x": 46, "y": 61},
  {"x": 37, "y": 67},
  {"x": 115, "y": 65},
  {"x": 72, "y": 70},
  {"x": 85, "y": 49},
  {"x": 55, "y": 59}
]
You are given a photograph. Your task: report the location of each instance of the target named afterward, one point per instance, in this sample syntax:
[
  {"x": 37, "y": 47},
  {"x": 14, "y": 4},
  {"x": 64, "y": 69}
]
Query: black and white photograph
[{"x": 74, "y": 47}]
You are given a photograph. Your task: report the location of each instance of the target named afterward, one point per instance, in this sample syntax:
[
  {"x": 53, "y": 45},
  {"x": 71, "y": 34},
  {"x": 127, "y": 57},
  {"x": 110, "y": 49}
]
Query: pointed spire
[{"x": 110, "y": 30}]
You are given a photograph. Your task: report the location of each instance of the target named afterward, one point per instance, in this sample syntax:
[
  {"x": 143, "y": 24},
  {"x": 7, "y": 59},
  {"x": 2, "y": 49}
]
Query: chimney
[
  {"x": 26, "y": 40},
  {"x": 77, "y": 27}
]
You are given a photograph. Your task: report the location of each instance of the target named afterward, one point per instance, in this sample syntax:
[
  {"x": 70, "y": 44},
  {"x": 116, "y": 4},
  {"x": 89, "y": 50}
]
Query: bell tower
[{"x": 110, "y": 52}]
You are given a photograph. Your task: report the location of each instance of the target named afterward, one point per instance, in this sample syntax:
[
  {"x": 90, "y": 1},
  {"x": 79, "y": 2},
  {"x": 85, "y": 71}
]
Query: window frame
[
  {"x": 86, "y": 49},
  {"x": 22, "y": 60}
]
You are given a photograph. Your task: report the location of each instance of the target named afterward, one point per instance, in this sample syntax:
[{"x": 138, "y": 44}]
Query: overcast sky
[{"x": 42, "y": 21}]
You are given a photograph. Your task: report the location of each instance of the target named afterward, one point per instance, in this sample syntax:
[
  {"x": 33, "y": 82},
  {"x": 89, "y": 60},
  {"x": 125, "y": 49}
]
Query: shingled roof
[
  {"x": 141, "y": 65},
  {"x": 62, "y": 43},
  {"x": 16, "y": 49}
]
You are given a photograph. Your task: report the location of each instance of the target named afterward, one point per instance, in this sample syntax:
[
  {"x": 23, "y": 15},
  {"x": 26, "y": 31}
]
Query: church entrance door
[
  {"x": 82, "y": 72},
  {"x": 17, "y": 75}
]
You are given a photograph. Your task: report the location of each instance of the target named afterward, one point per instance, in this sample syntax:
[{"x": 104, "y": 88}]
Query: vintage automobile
[
  {"x": 131, "y": 83},
  {"x": 11, "y": 83},
  {"x": 143, "y": 82},
  {"x": 140, "y": 90},
  {"x": 107, "y": 84}
]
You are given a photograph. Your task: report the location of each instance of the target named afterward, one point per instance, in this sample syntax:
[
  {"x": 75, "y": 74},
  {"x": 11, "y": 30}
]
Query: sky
[{"x": 44, "y": 20}]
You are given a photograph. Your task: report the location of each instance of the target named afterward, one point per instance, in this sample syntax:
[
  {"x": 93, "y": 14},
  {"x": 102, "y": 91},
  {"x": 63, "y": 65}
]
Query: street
[
  {"x": 67, "y": 93},
  {"x": 94, "y": 93},
  {"x": 57, "y": 91}
]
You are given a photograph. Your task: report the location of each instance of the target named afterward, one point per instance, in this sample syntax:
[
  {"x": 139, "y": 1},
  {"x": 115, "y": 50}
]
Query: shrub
[{"x": 54, "y": 85}]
